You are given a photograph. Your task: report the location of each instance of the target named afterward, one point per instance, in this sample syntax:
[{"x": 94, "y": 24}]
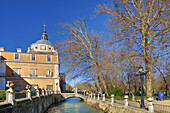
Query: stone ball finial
[
  {"x": 150, "y": 99},
  {"x": 37, "y": 87},
  {"x": 28, "y": 87},
  {"x": 10, "y": 84},
  {"x": 126, "y": 96}
]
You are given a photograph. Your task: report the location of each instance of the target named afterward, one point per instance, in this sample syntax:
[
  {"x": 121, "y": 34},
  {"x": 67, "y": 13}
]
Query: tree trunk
[
  {"x": 102, "y": 80},
  {"x": 148, "y": 80},
  {"x": 147, "y": 67}
]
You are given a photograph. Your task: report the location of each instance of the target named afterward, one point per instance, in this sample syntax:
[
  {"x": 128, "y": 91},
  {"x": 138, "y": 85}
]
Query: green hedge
[
  {"x": 116, "y": 91},
  {"x": 21, "y": 94},
  {"x": 2, "y": 95}
]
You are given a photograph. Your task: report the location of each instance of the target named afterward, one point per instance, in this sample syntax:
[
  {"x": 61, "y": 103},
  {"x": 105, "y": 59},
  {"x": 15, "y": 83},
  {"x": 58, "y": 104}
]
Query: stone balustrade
[
  {"x": 104, "y": 102},
  {"x": 103, "y": 97},
  {"x": 98, "y": 97},
  {"x": 126, "y": 100},
  {"x": 150, "y": 104},
  {"x": 31, "y": 104},
  {"x": 10, "y": 93},
  {"x": 49, "y": 97},
  {"x": 112, "y": 99}
]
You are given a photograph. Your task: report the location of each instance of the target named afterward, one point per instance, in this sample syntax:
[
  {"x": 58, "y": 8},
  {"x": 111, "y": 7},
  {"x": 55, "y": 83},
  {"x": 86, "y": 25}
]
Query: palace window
[
  {"x": 16, "y": 71},
  {"x": 33, "y": 73},
  {"x": 49, "y": 87},
  {"x": 49, "y": 73},
  {"x": 16, "y": 56},
  {"x": 48, "y": 58},
  {"x": 33, "y": 57}
]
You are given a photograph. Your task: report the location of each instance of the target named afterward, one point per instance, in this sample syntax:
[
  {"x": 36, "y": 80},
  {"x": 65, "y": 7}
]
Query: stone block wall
[
  {"x": 113, "y": 108},
  {"x": 36, "y": 105}
]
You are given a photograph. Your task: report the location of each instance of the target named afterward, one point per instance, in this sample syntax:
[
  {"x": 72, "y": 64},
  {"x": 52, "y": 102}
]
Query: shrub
[
  {"x": 2, "y": 95},
  {"x": 116, "y": 91},
  {"x": 21, "y": 94}
]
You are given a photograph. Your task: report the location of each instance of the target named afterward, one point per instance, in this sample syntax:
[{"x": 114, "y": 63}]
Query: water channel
[{"x": 72, "y": 105}]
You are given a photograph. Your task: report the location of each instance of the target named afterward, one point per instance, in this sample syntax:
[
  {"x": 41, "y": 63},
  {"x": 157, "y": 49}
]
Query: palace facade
[{"x": 39, "y": 66}]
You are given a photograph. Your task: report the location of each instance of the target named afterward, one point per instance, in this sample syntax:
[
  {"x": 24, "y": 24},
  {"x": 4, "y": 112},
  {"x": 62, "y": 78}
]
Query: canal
[{"x": 72, "y": 105}]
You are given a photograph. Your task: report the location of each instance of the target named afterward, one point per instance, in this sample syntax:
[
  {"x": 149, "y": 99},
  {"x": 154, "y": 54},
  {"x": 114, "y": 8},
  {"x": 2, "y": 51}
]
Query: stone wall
[
  {"x": 36, "y": 105},
  {"x": 113, "y": 108}
]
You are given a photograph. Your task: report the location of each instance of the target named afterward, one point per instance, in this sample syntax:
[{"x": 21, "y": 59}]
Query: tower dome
[{"x": 43, "y": 45}]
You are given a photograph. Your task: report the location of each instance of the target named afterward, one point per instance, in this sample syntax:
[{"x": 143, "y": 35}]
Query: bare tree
[
  {"x": 141, "y": 24},
  {"x": 81, "y": 52}
]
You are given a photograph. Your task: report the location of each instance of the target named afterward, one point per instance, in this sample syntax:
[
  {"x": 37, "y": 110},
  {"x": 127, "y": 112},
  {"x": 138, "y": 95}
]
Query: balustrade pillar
[
  {"x": 112, "y": 99},
  {"x": 87, "y": 94},
  {"x": 10, "y": 94},
  {"x": 37, "y": 91},
  {"x": 126, "y": 100},
  {"x": 150, "y": 104},
  {"x": 98, "y": 96},
  {"x": 43, "y": 92},
  {"x": 50, "y": 92},
  {"x": 76, "y": 90},
  {"x": 91, "y": 95},
  {"x": 94, "y": 96},
  {"x": 84, "y": 93},
  {"x": 46, "y": 92},
  {"x": 103, "y": 97},
  {"x": 28, "y": 92}
]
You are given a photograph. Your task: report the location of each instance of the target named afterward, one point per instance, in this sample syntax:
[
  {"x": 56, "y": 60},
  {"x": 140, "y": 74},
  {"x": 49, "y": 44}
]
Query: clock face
[{"x": 43, "y": 47}]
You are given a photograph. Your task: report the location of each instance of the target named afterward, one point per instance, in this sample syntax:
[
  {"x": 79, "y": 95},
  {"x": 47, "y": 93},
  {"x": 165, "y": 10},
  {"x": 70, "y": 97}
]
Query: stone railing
[
  {"x": 149, "y": 107},
  {"x": 32, "y": 104}
]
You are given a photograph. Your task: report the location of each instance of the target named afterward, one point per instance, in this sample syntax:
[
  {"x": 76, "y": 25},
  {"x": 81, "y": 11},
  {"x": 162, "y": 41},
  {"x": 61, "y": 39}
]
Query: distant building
[{"x": 39, "y": 66}]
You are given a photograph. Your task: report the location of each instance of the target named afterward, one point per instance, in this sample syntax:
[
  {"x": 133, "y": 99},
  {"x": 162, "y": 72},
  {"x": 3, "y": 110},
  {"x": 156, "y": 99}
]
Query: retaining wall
[
  {"x": 36, "y": 105},
  {"x": 113, "y": 108}
]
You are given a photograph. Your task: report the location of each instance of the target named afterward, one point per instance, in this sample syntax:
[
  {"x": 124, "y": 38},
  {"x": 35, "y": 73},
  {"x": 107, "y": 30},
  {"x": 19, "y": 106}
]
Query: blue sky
[{"x": 21, "y": 21}]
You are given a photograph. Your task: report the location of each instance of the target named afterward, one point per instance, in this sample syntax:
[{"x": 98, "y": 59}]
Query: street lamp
[
  {"x": 57, "y": 88},
  {"x": 141, "y": 72}
]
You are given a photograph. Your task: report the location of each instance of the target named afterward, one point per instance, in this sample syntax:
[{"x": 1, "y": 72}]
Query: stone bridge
[{"x": 68, "y": 95}]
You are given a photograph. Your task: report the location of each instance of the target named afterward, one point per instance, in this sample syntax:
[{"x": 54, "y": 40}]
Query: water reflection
[{"x": 73, "y": 105}]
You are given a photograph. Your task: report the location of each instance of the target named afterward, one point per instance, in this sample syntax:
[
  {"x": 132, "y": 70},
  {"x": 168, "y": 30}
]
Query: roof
[{"x": 42, "y": 41}]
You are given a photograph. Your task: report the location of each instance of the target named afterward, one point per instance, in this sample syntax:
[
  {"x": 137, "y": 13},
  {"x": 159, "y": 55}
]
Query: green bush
[
  {"x": 116, "y": 91},
  {"x": 21, "y": 94},
  {"x": 2, "y": 95},
  {"x": 23, "y": 91}
]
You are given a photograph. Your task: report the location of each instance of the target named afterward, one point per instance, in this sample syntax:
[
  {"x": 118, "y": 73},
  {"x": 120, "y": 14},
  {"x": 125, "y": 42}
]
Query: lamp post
[
  {"x": 57, "y": 88},
  {"x": 141, "y": 72}
]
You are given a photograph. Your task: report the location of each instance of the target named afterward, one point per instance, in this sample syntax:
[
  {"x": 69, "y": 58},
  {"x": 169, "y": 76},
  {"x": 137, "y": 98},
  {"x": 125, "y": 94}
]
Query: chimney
[
  {"x": 2, "y": 49},
  {"x": 19, "y": 50}
]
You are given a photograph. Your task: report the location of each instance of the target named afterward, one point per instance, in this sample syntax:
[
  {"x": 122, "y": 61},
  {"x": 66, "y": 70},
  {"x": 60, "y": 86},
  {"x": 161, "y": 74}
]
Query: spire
[
  {"x": 44, "y": 35},
  {"x": 44, "y": 27}
]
